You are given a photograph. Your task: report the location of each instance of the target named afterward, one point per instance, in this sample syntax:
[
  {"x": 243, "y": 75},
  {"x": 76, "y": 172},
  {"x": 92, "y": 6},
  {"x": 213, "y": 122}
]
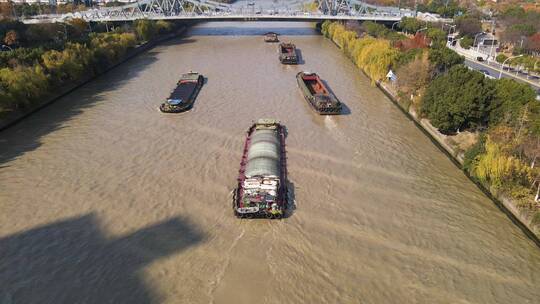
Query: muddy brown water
[{"x": 103, "y": 199}]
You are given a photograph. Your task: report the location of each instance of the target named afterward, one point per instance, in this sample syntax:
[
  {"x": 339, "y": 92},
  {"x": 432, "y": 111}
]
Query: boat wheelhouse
[{"x": 262, "y": 178}]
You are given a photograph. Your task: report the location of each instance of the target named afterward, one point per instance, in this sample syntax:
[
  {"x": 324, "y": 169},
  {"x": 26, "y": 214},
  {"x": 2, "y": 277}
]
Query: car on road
[{"x": 486, "y": 74}]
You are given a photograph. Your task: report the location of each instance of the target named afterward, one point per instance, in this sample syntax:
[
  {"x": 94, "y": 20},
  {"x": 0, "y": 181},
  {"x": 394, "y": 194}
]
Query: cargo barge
[
  {"x": 317, "y": 94},
  {"x": 184, "y": 95},
  {"x": 287, "y": 53},
  {"x": 262, "y": 180},
  {"x": 271, "y": 37}
]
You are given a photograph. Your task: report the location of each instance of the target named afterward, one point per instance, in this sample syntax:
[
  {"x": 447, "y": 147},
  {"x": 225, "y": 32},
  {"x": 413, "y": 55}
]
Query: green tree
[
  {"x": 444, "y": 58},
  {"x": 21, "y": 86},
  {"x": 466, "y": 42},
  {"x": 458, "y": 100},
  {"x": 410, "y": 24},
  {"x": 501, "y": 58},
  {"x": 146, "y": 29},
  {"x": 509, "y": 100}
]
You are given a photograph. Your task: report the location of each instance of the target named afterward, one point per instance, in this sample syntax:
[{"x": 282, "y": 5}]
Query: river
[{"x": 103, "y": 199}]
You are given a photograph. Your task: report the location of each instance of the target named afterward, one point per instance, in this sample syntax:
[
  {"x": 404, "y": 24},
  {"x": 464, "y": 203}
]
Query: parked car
[{"x": 479, "y": 58}]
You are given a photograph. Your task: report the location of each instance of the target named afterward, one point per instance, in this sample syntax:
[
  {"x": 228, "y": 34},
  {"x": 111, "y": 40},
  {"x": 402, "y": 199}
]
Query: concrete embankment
[{"x": 13, "y": 118}]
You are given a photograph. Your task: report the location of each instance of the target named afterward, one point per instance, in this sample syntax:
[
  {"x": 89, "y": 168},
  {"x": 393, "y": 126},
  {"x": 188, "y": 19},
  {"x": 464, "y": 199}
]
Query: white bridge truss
[{"x": 212, "y": 10}]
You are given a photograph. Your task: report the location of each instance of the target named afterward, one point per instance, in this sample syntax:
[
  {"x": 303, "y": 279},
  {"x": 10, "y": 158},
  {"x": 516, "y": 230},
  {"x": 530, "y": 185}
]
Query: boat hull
[
  {"x": 189, "y": 94},
  {"x": 242, "y": 204},
  {"x": 330, "y": 107},
  {"x": 287, "y": 53}
]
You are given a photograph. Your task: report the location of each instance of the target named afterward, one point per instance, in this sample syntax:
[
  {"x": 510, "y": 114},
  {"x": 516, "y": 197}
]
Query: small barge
[
  {"x": 184, "y": 95},
  {"x": 287, "y": 53},
  {"x": 262, "y": 179},
  {"x": 317, "y": 94},
  {"x": 271, "y": 37}
]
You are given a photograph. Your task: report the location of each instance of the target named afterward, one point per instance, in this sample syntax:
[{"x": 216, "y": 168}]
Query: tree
[
  {"x": 164, "y": 26},
  {"x": 437, "y": 37},
  {"x": 146, "y": 29},
  {"x": 510, "y": 97},
  {"x": 410, "y": 24},
  {"x": 533, "y": 43},
  {"x": 444, "y": 58},
  {"x": 468, "y": 25},
  {"x": 375, "y": 58},
  {"x": 466, "y": 42},
  {"x": 11, "y": 38},
  {"x": 501, "y": 58},
  {"x": 458, "y": 100},
  {"x": 79, "y": 27},
  {"x": 415, "y": 75},
  {"x": 21, "y": 86}
]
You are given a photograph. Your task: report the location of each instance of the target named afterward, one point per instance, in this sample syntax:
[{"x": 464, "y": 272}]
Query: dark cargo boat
[
  {"x": 262, "y": 188},
  {"x": 317, "y": 94},
  {"x": 185, "y": 93},
  {"x": 271, "y": 37},
  {"x": 287, "y": 53}
]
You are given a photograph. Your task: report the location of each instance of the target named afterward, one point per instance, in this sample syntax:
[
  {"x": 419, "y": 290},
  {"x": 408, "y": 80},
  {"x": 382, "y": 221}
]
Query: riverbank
[
  {"x": 521, "y": 218},
  {"x": 455, "y": 146},
  {"x": 14, "y": 117}
]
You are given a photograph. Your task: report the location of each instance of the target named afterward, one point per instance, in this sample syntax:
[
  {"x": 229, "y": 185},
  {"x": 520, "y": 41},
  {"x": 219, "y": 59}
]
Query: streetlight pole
[
  {"x": 476, "y": 36},
  {"x": 502, "y": 66}
]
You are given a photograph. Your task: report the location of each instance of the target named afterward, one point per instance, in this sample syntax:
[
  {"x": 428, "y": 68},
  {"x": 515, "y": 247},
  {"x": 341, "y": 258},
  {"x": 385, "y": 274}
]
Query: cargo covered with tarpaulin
[{"x": 261, "y": 187}]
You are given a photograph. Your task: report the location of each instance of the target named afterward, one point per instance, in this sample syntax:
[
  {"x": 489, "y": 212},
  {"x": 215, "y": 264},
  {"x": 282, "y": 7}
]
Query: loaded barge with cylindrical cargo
[
  {"x": 317, "y": 94},
  {"x": 262, "y": 180},
  {"x": 183, "y": 96},
  {"x": 287, "y": 53}
]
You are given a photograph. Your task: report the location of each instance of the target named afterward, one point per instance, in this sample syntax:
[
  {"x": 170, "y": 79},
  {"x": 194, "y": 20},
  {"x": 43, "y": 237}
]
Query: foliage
[
  {"x": 501, "y": 58},
  {"x": 466, "y": 42},
  {"x": 65, "y": 53},
  {"x": 497, "y": 166},
  {"x": 405, "y": 57},
  {"x": 19, "y": 87},
  {"x": 473, "y": 152},
  {"x": 373, "y": 55},
  {"x": 444, "y": 58},
  {"x": 164, "y": 26},
  {"x": 415, "y": 75},
  {"x": 21, "y": 56},
  {"x": 11, "y": 38},
  {"x": 458, "y": 100},
  {"x": 446, "y": 8},
  {"x": 376, "y": 58},
  {"x": 437, "y": 37},
  {"x": 510, "y": 97},
  {"x": 418, "y": 41},
  {"x": 145, "y": 29},
  {"x": 410, "y": 24},
  {"x": 468, "y": 25}
]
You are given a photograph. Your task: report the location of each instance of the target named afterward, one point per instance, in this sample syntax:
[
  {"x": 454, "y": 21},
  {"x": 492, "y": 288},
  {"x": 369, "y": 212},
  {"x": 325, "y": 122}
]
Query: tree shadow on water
[
  {"x": 25, "y": 135},
  {"x": 72, "y": 261}
]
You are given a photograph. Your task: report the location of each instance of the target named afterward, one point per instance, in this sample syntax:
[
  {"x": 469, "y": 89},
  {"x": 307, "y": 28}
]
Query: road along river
[{"x": 103, "y": 199}]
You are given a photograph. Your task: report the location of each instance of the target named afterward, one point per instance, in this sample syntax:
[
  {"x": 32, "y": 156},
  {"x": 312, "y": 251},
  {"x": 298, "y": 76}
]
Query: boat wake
[{"x": 221, "y": 273}]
